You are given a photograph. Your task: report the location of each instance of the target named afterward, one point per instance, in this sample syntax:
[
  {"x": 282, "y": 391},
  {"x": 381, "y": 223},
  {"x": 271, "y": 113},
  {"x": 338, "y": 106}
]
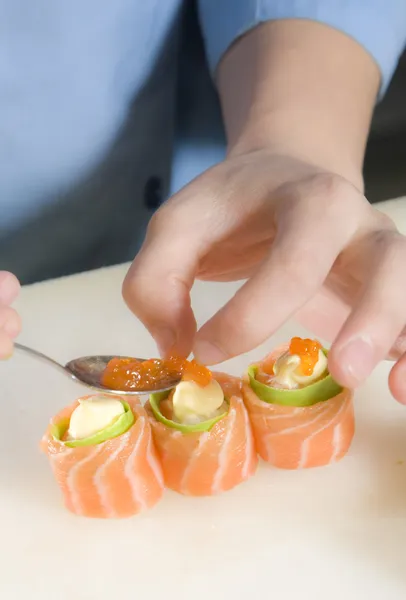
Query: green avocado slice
[
  {"x": 156, "y": 399},
  {"x": 116, "y": 428},
  {"x": 320, "y": 391}
]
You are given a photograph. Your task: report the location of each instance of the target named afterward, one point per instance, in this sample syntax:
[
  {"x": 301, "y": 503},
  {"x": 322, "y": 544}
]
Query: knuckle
[
  {"x": 394, "y": 247},
  {"x": 160, "y": 219},
  {"x": 126, "y": 290},
  {"x": 324, "y": 198},
  {"x": 134, "y": 291},
  {"x": 385, "y": 223},
  {"x": 323, "y": 189},
  {"x": 329, "y": 184},
  {"x": 387, "y": 241},
  {"x": 173, "y": 219},
  {"x": 335, "y": 197},
  {"x": 8, "y": 314}
]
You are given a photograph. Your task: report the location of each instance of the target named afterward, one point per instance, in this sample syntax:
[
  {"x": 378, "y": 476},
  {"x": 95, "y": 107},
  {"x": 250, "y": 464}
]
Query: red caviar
[
  {"x": 308, "y": 350},
  {"x": 133, "y": 374}
]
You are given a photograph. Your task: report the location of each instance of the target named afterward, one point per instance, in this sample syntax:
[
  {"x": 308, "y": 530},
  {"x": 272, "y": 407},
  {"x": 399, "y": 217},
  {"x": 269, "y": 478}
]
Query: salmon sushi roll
[
  {"x": 203, "y": 435},
  {"x": 300, "y": 416},
  {"x": 103, "y": 457}
]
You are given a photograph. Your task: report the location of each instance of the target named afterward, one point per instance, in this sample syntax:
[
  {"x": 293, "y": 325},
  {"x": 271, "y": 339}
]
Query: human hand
[
  {"x": 285, "y": 210},
  {"x": 309, "y": 243},
  {"x": 10, "y": 323}
]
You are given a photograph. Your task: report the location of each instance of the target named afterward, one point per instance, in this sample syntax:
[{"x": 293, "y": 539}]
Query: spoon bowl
[{"x": 88, "y": 370}]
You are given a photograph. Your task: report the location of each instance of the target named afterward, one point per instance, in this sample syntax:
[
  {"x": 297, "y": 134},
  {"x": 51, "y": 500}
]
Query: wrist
[
  {"x": 303, "y": 89},
  {"x": 291, "y": 134}
]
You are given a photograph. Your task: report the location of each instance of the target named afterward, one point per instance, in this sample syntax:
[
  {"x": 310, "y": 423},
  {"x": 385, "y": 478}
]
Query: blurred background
[{"x": 385, "y": 162}]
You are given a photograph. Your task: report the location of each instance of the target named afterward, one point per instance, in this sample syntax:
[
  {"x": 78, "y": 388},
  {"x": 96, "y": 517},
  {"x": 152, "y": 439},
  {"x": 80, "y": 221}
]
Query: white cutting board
[{"x": 331, "y": 533}]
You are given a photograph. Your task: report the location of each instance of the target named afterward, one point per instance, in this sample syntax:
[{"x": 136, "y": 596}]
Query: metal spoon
[{"x": 89, "y": 369}]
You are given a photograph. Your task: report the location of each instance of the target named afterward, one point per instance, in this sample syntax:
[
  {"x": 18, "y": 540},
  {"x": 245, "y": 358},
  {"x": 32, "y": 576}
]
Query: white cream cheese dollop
[
  {"x": 92, "y": 415},
  {"x": 193, "y": 404},
  {"x": 288, "y": 374}
]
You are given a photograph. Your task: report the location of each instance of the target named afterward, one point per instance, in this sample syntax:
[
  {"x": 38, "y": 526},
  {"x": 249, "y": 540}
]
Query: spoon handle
[{"x": 41, "y": 356}]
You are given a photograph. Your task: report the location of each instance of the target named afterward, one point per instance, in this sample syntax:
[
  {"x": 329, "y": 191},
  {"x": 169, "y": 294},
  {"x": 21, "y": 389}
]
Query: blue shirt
[
  {"x": 378, "y": 25},
  {"x": 69, "y": 72}
]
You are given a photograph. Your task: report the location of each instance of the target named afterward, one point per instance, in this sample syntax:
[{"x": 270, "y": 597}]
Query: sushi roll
[
  {"x": 203, "y": 435},
  {"x": 103, "y": 458},
  {"x": 300, "y": 416}
]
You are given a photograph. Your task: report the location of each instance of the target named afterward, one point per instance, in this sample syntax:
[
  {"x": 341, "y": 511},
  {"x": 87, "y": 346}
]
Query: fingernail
[
  {"x": 357, "y": 359},
  {"x": 208, "y": 353},
  {"x": 165, "y": 340}
]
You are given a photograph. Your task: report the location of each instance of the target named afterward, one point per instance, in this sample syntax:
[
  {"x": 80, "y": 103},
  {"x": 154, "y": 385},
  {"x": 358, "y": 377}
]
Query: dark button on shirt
[{"x": 153, "y": 193}]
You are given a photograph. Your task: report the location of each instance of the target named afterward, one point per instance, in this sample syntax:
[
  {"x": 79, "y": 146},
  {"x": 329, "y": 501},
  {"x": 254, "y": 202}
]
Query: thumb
[{"x": 158, "y": 283}]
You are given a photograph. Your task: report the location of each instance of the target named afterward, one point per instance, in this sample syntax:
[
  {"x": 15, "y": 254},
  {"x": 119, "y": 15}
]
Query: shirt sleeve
[{"x": 378, "y": 25}]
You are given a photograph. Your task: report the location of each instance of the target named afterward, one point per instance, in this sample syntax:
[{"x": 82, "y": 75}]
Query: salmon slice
[
  {"x": 210, "y": 462},
  {"x": 115, "y": 479},
  {"x": 298, "y": 438}
]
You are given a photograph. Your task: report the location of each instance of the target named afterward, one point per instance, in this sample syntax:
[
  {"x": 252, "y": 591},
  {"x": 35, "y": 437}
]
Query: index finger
[
  {"x": 300, "y": 259},
  {"x": 157, "y": 286}
]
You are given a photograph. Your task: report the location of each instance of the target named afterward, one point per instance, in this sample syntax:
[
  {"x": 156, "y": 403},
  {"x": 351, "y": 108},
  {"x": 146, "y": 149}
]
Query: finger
[
  {"x": 378, "y": 317},
  {"x": 235, "y": 263},
  {"x": 157, "y": 286},
  {"x": 324, "y": 315},
  {"x": 10, "y": 322},
  {"x": 397, "y": 380},
  {"x": 298, "y": 263},
  {"x": 399, "y": 347},
  {"x": 9, "y": 287},
  {"x": 6, "y": 346}
]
